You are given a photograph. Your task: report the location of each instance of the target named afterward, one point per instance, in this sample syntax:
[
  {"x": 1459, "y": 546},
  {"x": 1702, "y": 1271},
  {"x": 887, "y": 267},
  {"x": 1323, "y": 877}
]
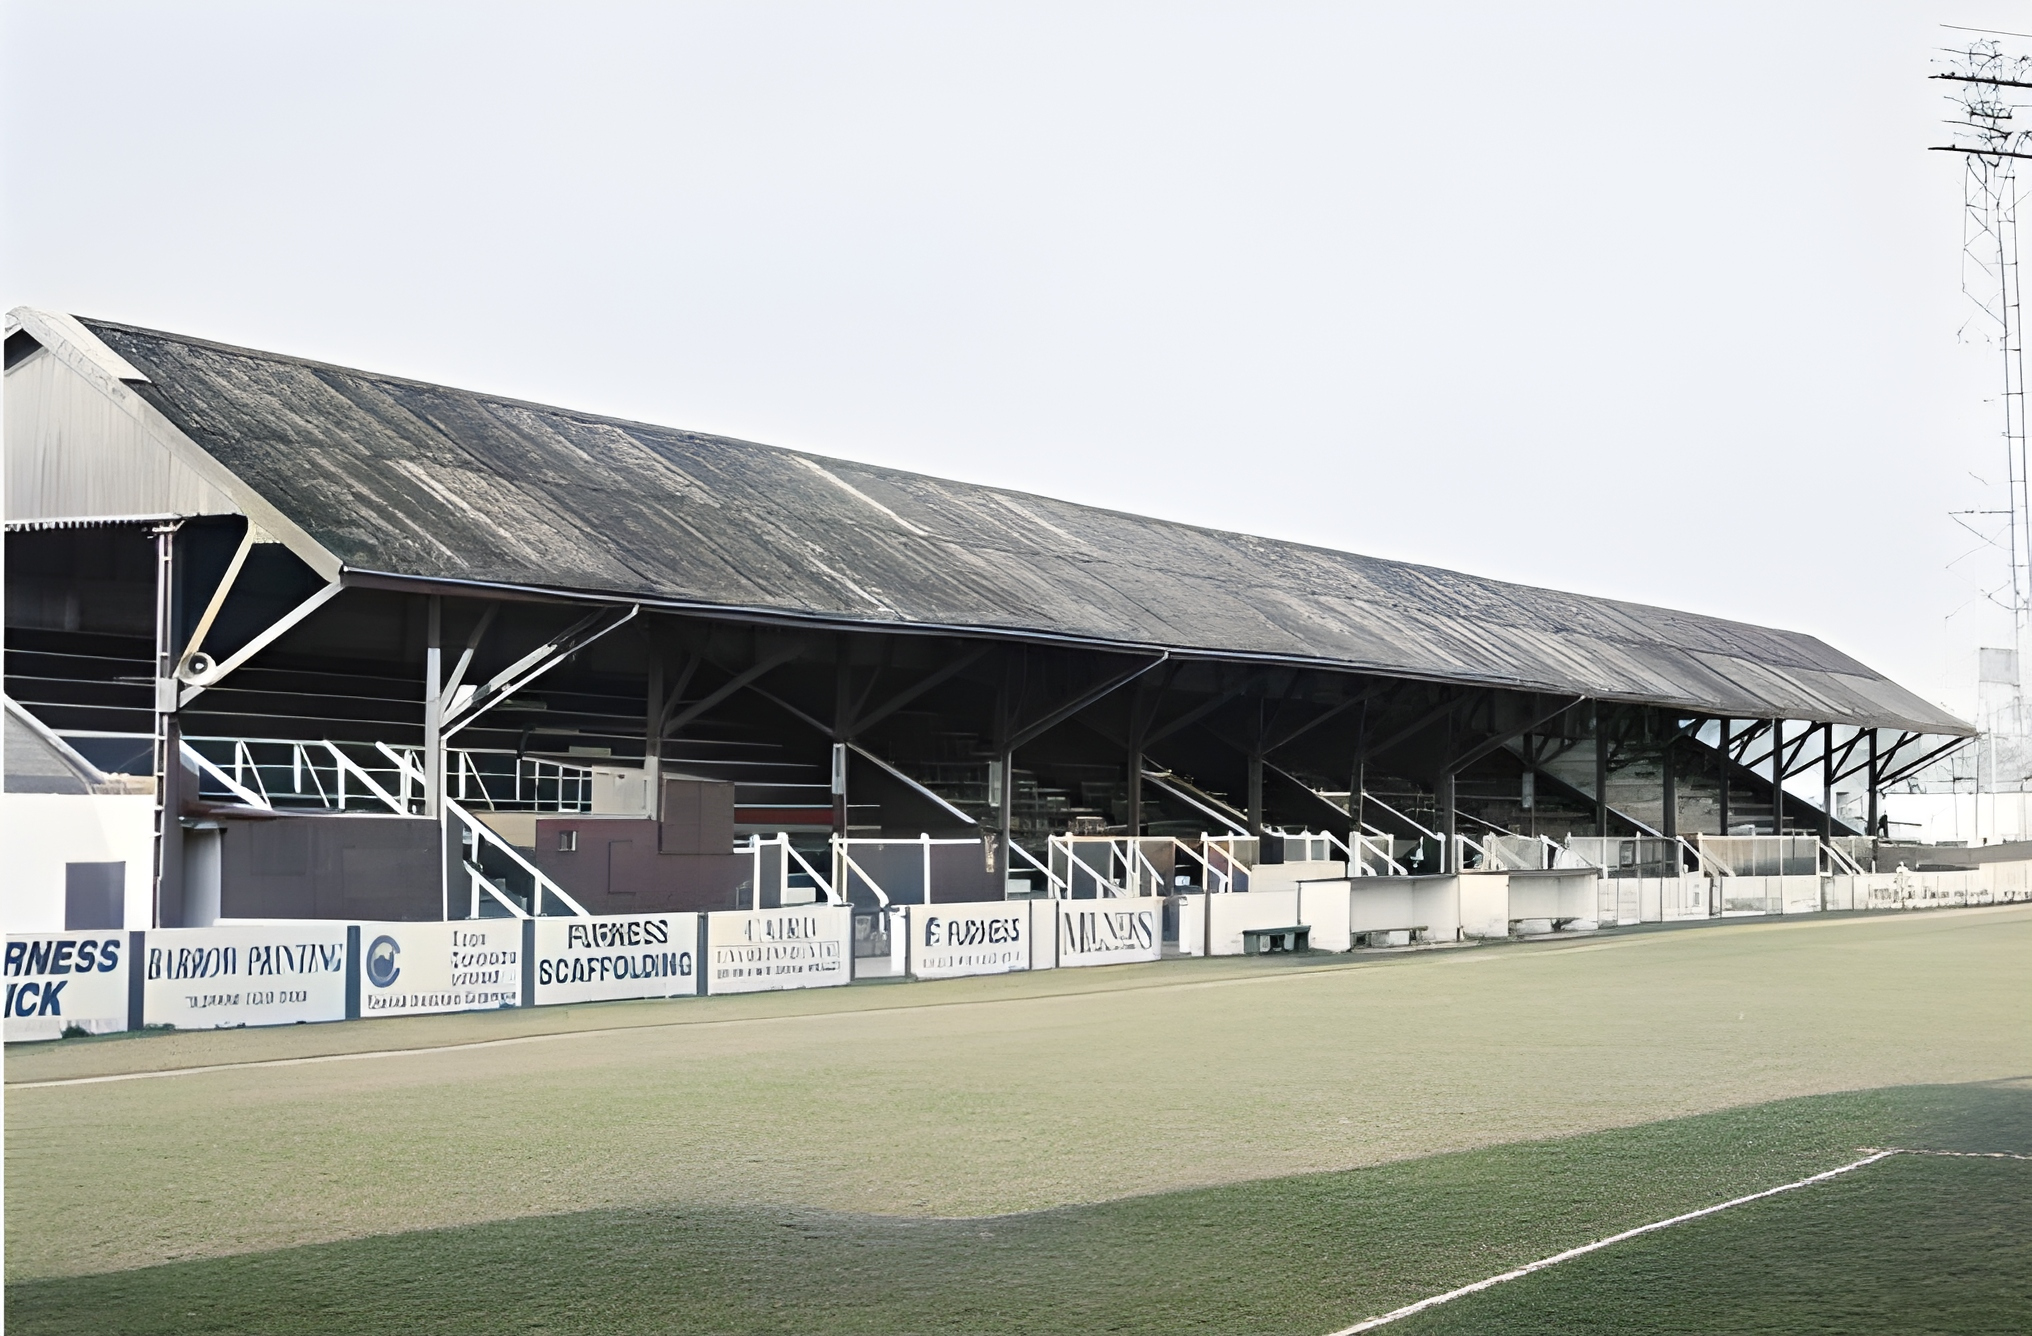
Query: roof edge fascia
[{"x": 66, "y": 338}]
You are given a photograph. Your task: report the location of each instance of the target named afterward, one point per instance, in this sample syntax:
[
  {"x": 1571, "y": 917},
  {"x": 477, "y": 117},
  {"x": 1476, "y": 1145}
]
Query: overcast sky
[{"x": 1654, "y": 301}]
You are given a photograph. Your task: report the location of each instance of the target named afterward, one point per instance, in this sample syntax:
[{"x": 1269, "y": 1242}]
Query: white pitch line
[
  {"x": 1370, "y": 1324},
  {"x": 323, "y": 1057}
]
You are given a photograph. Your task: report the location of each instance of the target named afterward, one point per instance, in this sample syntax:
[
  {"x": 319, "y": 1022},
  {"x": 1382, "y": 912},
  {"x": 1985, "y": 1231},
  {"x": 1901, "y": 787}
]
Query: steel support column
[
  {"x": 1871, "y": 776},
  {"x": 1777, "y": 776},
  {"x": 433, "y": 707},
  {"x": 1728, "y": 764},
  {"x": 1668, "y": 825},
  {"x": 168, "y": 898},
  {"x": 1827, "y": 781},
  {"x": 842, "y": 727},
  {"x": 652, "y": 736},
  {"x": 1133, "y": 817},
  {"x": 1256, "y": 794},
  {"x": 1449, "y": 823},
  {"x": 1002, "y": 779},
  {"x": 1601, "y": 775}
]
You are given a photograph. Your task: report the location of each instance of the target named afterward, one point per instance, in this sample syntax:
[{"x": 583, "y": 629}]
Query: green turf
[
  {"x": 1914, "y": 1245},
  {"x": 1303, "y": 1254},
  {"x": 983, "y": 1097}
]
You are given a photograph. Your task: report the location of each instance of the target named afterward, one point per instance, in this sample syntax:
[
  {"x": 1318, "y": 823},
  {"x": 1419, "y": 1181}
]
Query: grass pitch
[
  {"x": 1913, "y": 1245},
  {"x": 1233, "y": 1145}
]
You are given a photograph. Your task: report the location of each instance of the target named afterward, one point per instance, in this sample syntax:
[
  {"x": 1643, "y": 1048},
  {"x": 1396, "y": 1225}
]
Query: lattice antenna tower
[{"x": 1987, "y": 86}]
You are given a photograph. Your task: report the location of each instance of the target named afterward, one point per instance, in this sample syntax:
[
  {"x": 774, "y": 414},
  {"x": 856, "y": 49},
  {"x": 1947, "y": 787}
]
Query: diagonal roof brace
[
  {"x": 1037, "y": 729},
  {"x": 539, "y": 661}
]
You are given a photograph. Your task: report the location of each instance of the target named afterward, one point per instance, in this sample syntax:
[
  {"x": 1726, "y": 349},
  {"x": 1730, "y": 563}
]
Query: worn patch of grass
[
  {"x": 1308, "y": 1253},
  {"x": 986, "y": 1097}
]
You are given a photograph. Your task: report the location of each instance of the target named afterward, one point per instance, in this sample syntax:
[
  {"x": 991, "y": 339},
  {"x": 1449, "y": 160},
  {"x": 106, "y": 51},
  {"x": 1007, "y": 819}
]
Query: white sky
[{"x": 1652, "y": 301}]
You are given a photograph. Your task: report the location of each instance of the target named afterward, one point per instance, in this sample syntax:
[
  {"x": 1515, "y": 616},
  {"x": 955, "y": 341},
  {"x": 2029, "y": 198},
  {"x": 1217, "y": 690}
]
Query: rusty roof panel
[{"x": 405, "y": 478}]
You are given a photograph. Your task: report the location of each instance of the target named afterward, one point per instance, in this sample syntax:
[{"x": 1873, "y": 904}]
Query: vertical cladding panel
[
  {"x": 698, "y": 816},
  {"x": 622, "y": 865},
  {"x": 715, "y": 818},
  {"x": 332, "y": 867},
  {"x": 72, "y": 450}
]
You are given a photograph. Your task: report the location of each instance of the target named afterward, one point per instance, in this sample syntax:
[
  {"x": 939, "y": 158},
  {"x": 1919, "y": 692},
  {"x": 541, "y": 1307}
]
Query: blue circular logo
[{"x": 381, "y": 967}]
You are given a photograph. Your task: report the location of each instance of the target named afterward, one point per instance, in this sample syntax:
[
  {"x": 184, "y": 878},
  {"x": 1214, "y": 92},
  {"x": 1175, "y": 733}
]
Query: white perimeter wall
[
  {"x": 1233, "y": 914},
  {"x": 41, "y": 832},
  {"x": 1965, "y": 818}
]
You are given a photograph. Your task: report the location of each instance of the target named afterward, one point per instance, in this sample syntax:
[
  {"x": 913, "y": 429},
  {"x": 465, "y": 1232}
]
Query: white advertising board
[
  {"x": 1110, "y": 932},
  {"x": 62, "y": 979},
  {"x": 754, "y": 951},
  {"x": 206, "y": 978},
  {"x": 409, "y": 968},
  {"x": 949, "y": 941},
  {"x": 617, "y": 956}
]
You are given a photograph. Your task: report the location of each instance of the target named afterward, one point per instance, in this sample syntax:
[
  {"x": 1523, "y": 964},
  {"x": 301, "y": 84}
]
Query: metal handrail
[
  {"x": 1052, "y": 879},
  {"x": 862, "y": 873},
  {"x": 1701, "y": 859},
  {"x": 478, "y": 881},
  {"x": 1203, "y": 854},
  {"x": 824, "y": 884},
  {"x": 482, "y": 831},
  {"x": 205, "y": 765},
  {"x": 1835, "y": 855}
]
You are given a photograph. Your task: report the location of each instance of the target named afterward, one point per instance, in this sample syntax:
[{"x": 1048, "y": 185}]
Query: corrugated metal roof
[{"x": 418, "y": 480}]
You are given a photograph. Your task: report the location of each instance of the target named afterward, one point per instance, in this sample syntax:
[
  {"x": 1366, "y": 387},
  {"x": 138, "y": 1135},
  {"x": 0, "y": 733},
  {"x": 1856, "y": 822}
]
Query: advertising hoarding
[
  {"x": 1110, "y": 932},
  {"x": 268, "y": 974},
  {"x": 756, "y": 951},
  {"x": 949, "y": 941},
  {"x": 60, "y": 980},
  {"x": 407, "y": 969},
  {"x": 612, "y": 957}
]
